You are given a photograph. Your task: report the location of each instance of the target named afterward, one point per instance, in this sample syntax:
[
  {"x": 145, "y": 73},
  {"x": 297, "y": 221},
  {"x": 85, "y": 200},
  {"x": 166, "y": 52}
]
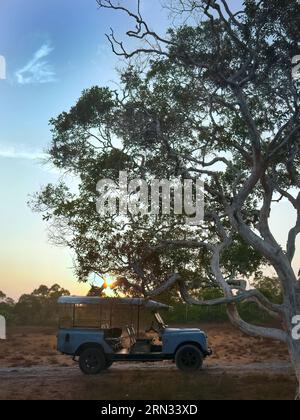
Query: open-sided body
[{"x": 101, "y": 331}]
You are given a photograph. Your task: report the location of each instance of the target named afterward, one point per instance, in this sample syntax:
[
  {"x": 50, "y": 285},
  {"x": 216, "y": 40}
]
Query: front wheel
[
  {"x": 189, "y": 358},
  {"x": 92, "y": 361}
]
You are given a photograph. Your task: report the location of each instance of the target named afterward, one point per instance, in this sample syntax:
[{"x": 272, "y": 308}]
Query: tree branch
[
  {"x": 294, "y": 232},
  {"x": 255, "y": 331}
]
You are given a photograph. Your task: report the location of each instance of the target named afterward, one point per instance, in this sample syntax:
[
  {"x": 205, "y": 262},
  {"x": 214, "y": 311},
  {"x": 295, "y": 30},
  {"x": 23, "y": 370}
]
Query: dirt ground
[
  {"x": 26, "y": 347},
  {"x": 241, "y": 368}
]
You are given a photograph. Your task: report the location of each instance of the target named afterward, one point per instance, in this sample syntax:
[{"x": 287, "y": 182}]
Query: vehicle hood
[{"x": 182, "y": 330}]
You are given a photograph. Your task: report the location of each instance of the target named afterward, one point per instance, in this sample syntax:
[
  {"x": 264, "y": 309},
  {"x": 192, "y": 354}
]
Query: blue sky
[{"x": 53, "y": 49}]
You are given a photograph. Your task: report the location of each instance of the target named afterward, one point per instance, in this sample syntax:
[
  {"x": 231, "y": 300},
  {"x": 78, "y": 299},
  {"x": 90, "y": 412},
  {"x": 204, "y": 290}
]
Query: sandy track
[
  {"x": 69, "y": 372},
  {"x": 149, "y": 381}
]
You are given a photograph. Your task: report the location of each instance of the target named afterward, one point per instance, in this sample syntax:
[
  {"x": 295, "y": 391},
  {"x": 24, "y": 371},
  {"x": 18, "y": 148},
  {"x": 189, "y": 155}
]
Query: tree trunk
[
  {"x": 293, "y": 341},
  {"x": 294, "y": 350}
]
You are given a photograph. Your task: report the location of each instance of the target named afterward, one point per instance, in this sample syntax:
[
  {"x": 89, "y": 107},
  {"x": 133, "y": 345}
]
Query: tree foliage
[
  {"x": 37, "y": 308},
  {"x": 216, "y": 99}
]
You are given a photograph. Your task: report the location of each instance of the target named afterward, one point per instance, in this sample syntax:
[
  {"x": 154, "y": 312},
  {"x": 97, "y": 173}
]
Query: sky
[{"x": 53, "y": 50}]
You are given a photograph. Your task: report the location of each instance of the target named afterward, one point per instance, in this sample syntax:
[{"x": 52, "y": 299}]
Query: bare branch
[
  {"x": 185, "y": 244},
  {"x": 210, "y": 163},
  {"x": 122, "y": 51},
  {"x": 214, "y": 5},
  {"x": 276, "y": 147},
  {"x": 232, "y": 15},
  {"x": 251, "y": 295},
  {"x": 253, "y": 131},
  {"x": 255, "y": 331},
  {"x": 294, "y": 232},
  {"x": 264, "y": 227},
  {"x": 142, "y": 32}
]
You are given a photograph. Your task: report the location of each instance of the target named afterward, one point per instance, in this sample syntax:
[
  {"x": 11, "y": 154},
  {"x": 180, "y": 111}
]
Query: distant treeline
[
  {"x": 40, "y": 308},
  {"x": 249, "y": 311}
]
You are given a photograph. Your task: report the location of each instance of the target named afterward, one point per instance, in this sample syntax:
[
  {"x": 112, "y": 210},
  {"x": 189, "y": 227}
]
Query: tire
[
  {"x": 189, "y": 358},
  {"x": 92, "y": 361}
]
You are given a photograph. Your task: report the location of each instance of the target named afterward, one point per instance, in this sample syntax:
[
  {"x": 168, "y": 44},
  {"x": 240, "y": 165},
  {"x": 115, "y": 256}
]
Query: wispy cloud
[
  {"x": 38, "y": 69},
  {"x": 36, "y": 156},
  {"x": 12, "y": 153}
]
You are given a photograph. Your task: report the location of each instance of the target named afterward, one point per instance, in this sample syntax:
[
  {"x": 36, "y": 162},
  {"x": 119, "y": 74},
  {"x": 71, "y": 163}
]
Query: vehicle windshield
[{"x": 159, "y": 320}]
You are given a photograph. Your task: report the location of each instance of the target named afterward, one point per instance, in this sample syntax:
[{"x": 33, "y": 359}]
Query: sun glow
[
  {"x": 108, "y": 285},
  {"x": 108, "y": 281}
]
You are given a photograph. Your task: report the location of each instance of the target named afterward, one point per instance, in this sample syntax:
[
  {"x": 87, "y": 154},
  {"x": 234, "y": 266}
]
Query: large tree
[{"x": 214, "y": 98}]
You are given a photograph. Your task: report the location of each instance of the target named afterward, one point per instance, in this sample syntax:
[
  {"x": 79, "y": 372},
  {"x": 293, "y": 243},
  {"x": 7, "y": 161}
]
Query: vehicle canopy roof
[{"x": 94, "y": 300}]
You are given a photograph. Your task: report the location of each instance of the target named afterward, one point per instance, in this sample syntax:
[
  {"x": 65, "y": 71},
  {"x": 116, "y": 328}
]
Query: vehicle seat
[
  {"x": 113, "y": 333},
  {"x": 131, "y": 334},
  {"x": 113, "y": 337}
]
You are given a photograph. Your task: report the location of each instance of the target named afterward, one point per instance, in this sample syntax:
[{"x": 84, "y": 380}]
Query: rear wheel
[
  {"x": 189, "y": 358},
  {"x": 92, "y": 361}
]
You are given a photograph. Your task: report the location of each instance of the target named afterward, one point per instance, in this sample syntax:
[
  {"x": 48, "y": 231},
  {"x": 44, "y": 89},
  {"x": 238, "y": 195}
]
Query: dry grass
[
  {"x": 154, "y": 385},
  {"x": 28, "y": 347},
  {"x": 31, "y": 346},
  {"x": 37, "y": 346}
]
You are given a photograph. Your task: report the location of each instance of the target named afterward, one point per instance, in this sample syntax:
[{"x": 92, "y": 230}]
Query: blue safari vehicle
[{"x": 97, "y": 332}]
